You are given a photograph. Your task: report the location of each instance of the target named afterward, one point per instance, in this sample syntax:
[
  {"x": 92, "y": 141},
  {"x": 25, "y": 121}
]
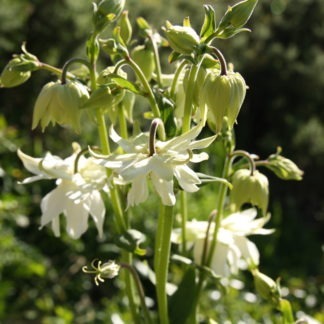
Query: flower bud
[
  {"x": 106, "y": 12},
  {"x": 109, "y": 270},
  {"x": 125, "y": 27},
  {"x": 144, "y": 58},
  {"x": 284, "y": 168},
  {"x": 238, "y": 15},
  {"x": 266, "y": 287},
  {"x": 250, "y": 188},
  {"x": 60, "y": 103},
  {"x": 11, "y": 77},
  {"x": 223, "y": 95},
  {"x": 182, "y": 39}
]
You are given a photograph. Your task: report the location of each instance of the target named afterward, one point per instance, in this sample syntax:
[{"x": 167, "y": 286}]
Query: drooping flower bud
[
  {"x": 266, "y": 287},
  {"x": 182, "y": 39},
  {"x": 106, "y": 12},
  {"x": 144, "y": 58},
  {"x": 284, "y": 168},
  {"x": 18, "y": 70},
  {"x": 223, "y": 95},
  {"x": 250, "y": 188},
  {"x": 60, "y": 103},
  {"x": 10, "y": 77}
]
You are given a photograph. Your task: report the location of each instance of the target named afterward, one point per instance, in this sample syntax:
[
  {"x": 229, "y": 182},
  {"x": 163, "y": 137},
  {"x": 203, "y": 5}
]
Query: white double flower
[
  {"x": 233, "y": 248},
  {"x": 170, "y": 160},
  {"x": 77, "y": 193}
]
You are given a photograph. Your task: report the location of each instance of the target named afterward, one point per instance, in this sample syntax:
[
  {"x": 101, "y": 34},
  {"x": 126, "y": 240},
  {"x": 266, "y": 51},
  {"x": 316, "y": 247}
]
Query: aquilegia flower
[
  {"x": 77, "y": 193},
  {"x": 233, "y": 248},
  {"x": 169, "y": 159}
]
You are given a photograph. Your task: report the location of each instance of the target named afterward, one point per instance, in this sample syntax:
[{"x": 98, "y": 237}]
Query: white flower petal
[
  {"x": 138, "y": 193},
  {"x": 76, "y": 218},
  {"x": 164, "y": 190},
  {"x": 187, "y": 178},
  {"x": 203, "y": 143},
  {"x": 52, "y": 205},
  {"x": 97, "y": 211},
  {"x": 30, "y": 163},
  {"x": 219, "y": 260},
  {"x": 248, "y": 249}
]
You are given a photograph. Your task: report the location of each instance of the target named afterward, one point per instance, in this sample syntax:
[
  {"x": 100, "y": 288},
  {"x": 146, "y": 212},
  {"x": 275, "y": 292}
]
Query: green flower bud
[
  {"x": 266, "y": 287},
  {"x": 11, "y": 77},
  {"x": 125, "y": 27},
  {"x": 106, "y": 12},
  {"x": 284, "y": 168},
  {"x": 60, "y": 103},
  {"x": 182, "y": 39},
  {"x": 238, "y": 15},
  {"x": 250, "y": 188},
  {"x": 144, "y": 58},
  {"x": 105, "y": 75},
  {"x": 223, "y": 95}
]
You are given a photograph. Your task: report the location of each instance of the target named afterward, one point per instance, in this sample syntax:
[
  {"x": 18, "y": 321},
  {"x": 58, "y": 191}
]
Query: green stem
[
  {"x": 216, "y": 52},
  {"x": 162, "y": 258},
  {"x": 176, "y": 78},
  {"x": 122, "y": 121},
  {"x": 156, "y": 60},
  {"x": 140, "y": 291},
  {"x": 70, "y": 62},
  {"x": 246, "y": 155},
  {"x": 54, "y": 70},
  {"x": 186, "y": 123},
  {"x": 184, "y": 217},
  {"x": 154, "y": 106},
  {"x": 219, "y": 209}
]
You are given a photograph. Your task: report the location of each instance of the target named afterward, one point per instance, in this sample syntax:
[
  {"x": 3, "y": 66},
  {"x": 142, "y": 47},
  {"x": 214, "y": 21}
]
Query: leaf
[
  {"x": 209, "y": 25},
  {"x": 123, "y": 83},
  {"x": 183, "y": 300}
]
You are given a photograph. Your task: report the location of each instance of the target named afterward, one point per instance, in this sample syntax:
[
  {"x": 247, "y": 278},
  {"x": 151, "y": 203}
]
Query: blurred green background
[{"x": 282, "y": 61}]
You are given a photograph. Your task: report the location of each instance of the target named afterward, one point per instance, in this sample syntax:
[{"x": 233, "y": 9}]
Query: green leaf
[
  {"x": 124, "y": 83},
  {"x": 209, "y": 25},
  {"x": 183, "y": 300}
]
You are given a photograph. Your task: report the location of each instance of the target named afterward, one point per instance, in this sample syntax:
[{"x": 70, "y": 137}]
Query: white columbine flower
[
  {"x": 170, "y": 159},
  {"x": 77, "y": 193},
  {"x": 232, "y": 245}
]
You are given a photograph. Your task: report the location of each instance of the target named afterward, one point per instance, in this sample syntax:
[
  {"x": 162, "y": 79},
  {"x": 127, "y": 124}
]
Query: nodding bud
[
  {"x": 250, "y": 188},
  {"x": 182, "y": 39},
  {"x": 266, "y": 287},
  {"x": 284, "y": 168},
  {"x": 223, "y": 95},
  {"x": 106, "y": 12},
  {"x": 60, "y": 103},
  {"x": 144, "y": 58}
]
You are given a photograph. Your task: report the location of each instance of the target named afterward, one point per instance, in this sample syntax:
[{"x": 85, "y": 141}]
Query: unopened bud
[
  {"x": 60, "y": 103},
  {"x": 223, "y": 95},
  {"x": 284, "y": 168},
  {"x": 238, "y": 15},
  {"x": 182, "y": 39},
  {"x": 125, "y": 27},
  {"x": 144, "y": 58},
  {"x": 266, "y": 287},
  {"x": 12, "y": 77},
  {"x": 250, "y": 188},
  {"x": 106, "y": 12}
]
